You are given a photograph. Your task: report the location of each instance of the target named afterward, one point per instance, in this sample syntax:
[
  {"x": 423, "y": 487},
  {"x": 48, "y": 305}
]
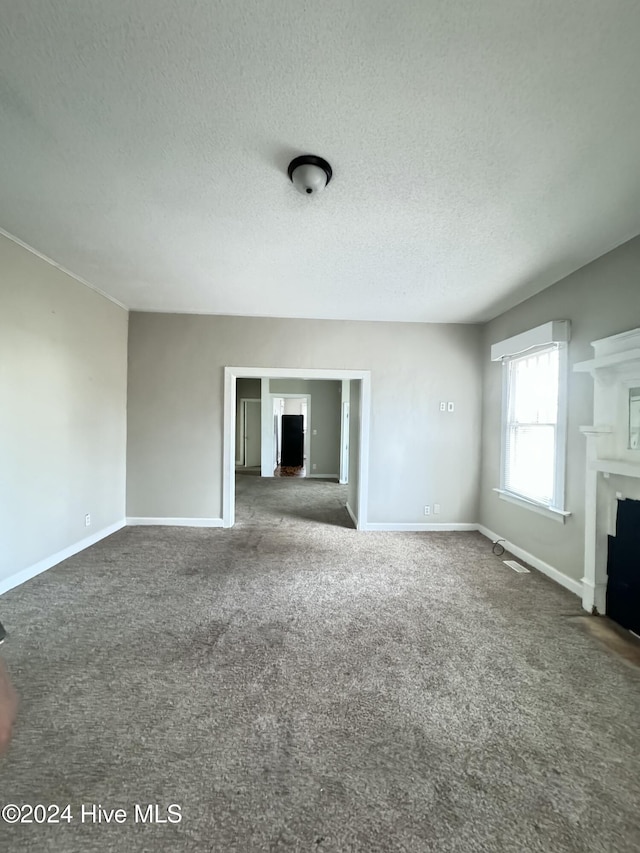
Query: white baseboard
[
  {"x": 26, "y": 574},
  {"x": 571, "y": 584},
  {"x": 322, "y": 477},
  {"x": 420, "y": 526},
  {"x": 21, "y": 577},
  {"x": 354, "y": 517},
  {"x": 174, "y": 522}
]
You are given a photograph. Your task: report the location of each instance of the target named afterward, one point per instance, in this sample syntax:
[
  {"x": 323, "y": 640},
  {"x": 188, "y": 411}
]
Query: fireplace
[
  {"x": 611, "y": 582},
  {"x": 623, "y": 567}
]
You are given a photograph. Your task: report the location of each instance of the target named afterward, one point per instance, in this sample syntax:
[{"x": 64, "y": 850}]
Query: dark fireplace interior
[{"x": 623, "y": 568}]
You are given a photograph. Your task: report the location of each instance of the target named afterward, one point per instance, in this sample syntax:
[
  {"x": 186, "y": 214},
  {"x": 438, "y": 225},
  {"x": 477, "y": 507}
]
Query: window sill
[{"x": 560, "y": 515}]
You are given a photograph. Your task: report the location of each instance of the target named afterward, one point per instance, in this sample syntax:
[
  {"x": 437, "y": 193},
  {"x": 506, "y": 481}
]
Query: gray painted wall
[
  {"x": 418, "y": 455},
  {"x": 600, "y": 299},
  {"x": 324, "y": 448},
  {"x": 63, "y": 386}
]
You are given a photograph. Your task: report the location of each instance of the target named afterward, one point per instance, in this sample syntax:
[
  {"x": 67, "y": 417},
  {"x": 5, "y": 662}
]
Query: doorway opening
[
  {"x": 291, "y": 434},
  {"x": 349, "y": 457}
]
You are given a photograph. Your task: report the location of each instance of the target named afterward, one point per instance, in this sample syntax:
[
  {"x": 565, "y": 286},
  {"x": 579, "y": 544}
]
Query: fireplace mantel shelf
[
  {"x": 600, "y": 429},
  {"x": 611, "y": 362},
  {"x": 616, "y": 466},
  {"x": 614, "y": 353}
]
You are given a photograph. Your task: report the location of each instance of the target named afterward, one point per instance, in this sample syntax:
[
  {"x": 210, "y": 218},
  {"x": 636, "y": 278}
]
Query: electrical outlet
[
  {"x": 443, "y": 406},
  {"x": 450, "y": 407},
  {"x": 87, "y": 520},
  {"x": 436, "y": 509},
  {"x": 427, "y": 510},
  {"x": 314, "y": 466},
  {"x": 314, "y": 432}
]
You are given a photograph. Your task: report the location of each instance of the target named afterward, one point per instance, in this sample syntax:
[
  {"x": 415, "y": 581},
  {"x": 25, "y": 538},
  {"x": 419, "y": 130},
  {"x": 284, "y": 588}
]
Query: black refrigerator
[{"x": 292, "y": 450}]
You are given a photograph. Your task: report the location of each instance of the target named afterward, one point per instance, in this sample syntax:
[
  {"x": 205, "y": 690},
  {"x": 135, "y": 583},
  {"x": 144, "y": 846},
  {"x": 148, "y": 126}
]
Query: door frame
[
  {"x": 345, "y": 438},
  {"x": 243, "y": 420},
  {"x": 344, "y": 442},
  {"x": 231, "y": 374},
  {"x": 274, "y": 395}
]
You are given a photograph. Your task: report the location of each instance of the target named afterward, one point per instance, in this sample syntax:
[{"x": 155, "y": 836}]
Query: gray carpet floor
[{"x": 296, "y": 685}]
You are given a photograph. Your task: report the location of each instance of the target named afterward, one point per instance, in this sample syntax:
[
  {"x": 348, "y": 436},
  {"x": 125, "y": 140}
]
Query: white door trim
[{"x": 231, "y": 374}]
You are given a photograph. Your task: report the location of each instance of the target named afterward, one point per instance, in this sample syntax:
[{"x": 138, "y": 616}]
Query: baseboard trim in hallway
[
  {"x": 49, "y": 562},
  {"x": 556, "y": 575},
  {"x": 173, "y": 522},
  {"x": 421, "y": 527},
  {"x": 354, "y": 517}
]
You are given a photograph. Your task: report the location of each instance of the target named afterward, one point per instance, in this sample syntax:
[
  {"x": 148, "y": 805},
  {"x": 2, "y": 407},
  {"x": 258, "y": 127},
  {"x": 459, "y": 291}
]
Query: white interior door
[{"x": 252, "y": 430}]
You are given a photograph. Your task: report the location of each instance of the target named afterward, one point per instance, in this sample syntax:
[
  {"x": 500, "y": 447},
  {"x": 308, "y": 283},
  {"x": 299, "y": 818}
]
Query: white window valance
[{"x": 554, "y": 332}]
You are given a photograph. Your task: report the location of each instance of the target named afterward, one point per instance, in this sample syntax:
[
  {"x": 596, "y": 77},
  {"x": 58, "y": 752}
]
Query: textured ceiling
[{"x": 481, "y": 150}]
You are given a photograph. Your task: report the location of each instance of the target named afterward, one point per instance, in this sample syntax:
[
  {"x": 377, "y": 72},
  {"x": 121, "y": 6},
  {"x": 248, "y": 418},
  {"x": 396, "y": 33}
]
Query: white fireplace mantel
[{"x": 615, "y": 369}]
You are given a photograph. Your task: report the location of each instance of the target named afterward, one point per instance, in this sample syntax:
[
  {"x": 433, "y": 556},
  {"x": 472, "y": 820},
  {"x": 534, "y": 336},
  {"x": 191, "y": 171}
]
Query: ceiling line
[{"x": 62, "y": 269}]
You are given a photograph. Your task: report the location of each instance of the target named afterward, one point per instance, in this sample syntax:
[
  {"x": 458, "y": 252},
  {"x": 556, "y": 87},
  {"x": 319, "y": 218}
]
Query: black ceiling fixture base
[{"x": 309, "y": 160}]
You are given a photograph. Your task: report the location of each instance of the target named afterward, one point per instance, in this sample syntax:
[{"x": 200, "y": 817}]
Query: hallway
[{"x": 290, "y": 501}]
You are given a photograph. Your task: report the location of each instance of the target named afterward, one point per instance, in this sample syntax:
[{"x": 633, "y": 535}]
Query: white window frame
[{"x": 554, "y": 334}]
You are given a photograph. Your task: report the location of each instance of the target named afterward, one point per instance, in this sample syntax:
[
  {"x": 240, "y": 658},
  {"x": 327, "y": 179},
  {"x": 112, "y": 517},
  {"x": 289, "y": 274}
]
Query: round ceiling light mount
[{"x": 309, "y": 174}]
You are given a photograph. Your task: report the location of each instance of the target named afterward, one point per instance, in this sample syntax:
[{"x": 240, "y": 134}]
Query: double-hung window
[{"x": 534, "y": 418}]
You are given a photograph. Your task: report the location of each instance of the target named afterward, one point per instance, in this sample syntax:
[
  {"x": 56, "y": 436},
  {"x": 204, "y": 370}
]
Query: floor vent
[{"x": 516, "y": 566}]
